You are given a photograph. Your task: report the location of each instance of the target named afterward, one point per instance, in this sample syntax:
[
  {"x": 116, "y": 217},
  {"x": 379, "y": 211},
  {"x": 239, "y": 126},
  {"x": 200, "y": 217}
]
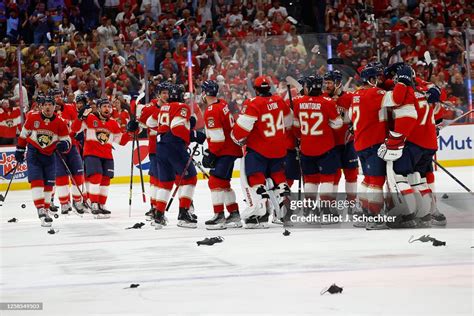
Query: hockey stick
[
  {"x": 140, "y": 168},
  {"x": 72, "y": 178},
  {"x": 4, "y": 197},
  {"x": 452, "y": 176},
  {"x": 393, "y": 52},
  {"x": 455, "y": 120},
  {"x": 131, "y": 181},
  {"x": 429, "y": 62},
  {"x": 199, "y": 166},
  {"x": 290, "y": 98},
  {"x": 190, "y": 159}
]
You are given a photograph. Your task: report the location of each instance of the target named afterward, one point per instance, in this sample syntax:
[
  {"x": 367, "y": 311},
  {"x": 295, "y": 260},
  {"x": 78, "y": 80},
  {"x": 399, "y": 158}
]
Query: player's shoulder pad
[{"x": 327, "y": 98}]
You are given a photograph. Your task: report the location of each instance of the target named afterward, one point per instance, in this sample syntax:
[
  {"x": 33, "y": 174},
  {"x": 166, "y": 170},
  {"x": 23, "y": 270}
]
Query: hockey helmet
[
  {"x": 176, "y": 92},
  {"x": 333, "y": 75},
  {"x": 210, "y": 88},
  {"x": 314, "y": 83},
  {"x": 368, "y": 73},
  {"x": 81, "y": 98}
]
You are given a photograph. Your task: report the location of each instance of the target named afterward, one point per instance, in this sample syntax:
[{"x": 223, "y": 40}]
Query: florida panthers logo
[
  {"x": 44, "y": 138},
  {"x": 9, "y": 123},
  {"x": 102, "y": 136}
]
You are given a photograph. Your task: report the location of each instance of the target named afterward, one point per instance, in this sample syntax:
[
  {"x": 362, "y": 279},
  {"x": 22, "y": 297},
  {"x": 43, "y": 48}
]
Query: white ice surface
[{"x": 84, "y": 268}]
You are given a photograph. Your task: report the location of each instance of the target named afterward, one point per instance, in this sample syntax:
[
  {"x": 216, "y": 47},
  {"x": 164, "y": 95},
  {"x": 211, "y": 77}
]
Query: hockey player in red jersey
[
  {"x": 315, "y": 118},
  {"x": 174, "y": 135},
  {"x": 43, "y": 134},
  {"x": 101, "y": 132},
  {"x": 149, "y": 119},
  {"x": 369, "y": 119},
  {"x": 404, "y": 118},
  {"x": 261, "y": 127},
  {"x": 344, "y": 142},
  {"x": 220, "y": 157},
  {"x": 72, "y": 158}
]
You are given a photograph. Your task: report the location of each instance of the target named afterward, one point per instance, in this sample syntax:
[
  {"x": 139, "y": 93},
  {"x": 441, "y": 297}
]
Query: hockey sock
[
  {"x": 375, "y": 194},
  {"x": 76, "y": 195},
  {"x": 153, "y": 190},
  {"x": 327, "y": 187},
  {"x": 94, "y": 187},
  {"x": 186, "y": 192},
  {"x": 311, "y": 185},
  {"x": 278, "y": 177},
  {"x": 48, "y": 193},
  {"x": 217, "y": 187},
  {"x": 351, "y": 183},
  {"x": 62, "y": 188},
  {"x": 230, "y": 200},
  {"x": 104, "y": 190},
  {"x": 256, "y": 179},
  {"x": 363, "y": 197},
  {"x": 163, "y": 194},
  {"x": 37, "y": 191}
]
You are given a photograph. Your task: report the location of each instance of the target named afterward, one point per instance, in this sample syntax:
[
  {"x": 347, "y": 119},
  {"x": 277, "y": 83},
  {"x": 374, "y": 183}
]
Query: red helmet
[{"x": 261, "y": 82}]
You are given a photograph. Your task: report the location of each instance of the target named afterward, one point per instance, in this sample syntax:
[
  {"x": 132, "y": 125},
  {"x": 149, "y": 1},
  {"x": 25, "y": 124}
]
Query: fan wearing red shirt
[
  {"x": 10, "y": 123},
  {"x": 101, "y": 132},
  {"x": 72, "y": 158},
  {"x": 262, "y": 125},
  {"x": 315, "y": 118},
  {"x": 344, "y": 146},
  {"x": 43, "y": 134},
  {"x": 220, "y": 157}
]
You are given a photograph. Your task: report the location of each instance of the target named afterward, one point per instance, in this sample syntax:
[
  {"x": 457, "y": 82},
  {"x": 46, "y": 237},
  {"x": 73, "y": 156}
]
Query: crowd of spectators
[{"x": 61, "y": 43}]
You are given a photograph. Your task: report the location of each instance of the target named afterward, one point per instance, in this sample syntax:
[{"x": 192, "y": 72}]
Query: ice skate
[
  {"x": 423, "y": 222},
  {"x": 79, "y": 207},
  {"x": 46, "y": 220},
  {"x": 438, "y": 218},
  {"x": 104, "y": 213},
  {"x": 96, "y": 211},
  {"x": 257, "y": 222},
  {"x": 150, "y": 215},
  {"x": 185, "y": 219},
  {"x": 233, "y": 220},
  {"x": 66, "y": 208},
  {"x": 159, "y": 220},
  {"x": 217, "y": 222}
]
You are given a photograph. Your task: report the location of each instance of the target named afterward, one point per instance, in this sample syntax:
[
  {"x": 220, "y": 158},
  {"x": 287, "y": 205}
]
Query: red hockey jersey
[
  {"x": 100, "y": 134},
  {"x": 10, "y": 122},
  {"x": 343, "y": 103},
  {"x": 262, "y": 122},
  {"x": 68, "y": 113},
  {"x": 424, "y": 132},
  {"x": 146, "y": 119},
  {"x": 315, "y": 119},
  {"x": 369, "y": 117},
  {"x": 219, "y": 122},
  {"x": 43, "y": 133},
  {"x": 174, "y": 118}
]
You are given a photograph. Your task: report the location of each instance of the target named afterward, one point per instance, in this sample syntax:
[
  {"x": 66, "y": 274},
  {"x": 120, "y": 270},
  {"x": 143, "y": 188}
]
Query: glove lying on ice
[
  {"x": 209, "y": 159},
  {"x": 392, "y": 149}
]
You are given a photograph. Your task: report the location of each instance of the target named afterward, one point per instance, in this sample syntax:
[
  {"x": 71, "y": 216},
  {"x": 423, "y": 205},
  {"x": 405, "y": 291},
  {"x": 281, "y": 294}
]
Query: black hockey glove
[
  {"x": 132, "y": 126},
  {"x": 433, "y": 95},
  {"x": 20, "y": 154},
  {"x": 62, "y": 146},
  {"x": 405, "y": 75},
  {"x": 198, "y": 137},
  {"x": 209, "y": 160},
  {"x": 192, "y": 122},
  {"x": 84, "y": 112}
]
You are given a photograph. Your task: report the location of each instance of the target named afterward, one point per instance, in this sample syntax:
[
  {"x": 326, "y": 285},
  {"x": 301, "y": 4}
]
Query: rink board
[{"x": 455, "y": 149}]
